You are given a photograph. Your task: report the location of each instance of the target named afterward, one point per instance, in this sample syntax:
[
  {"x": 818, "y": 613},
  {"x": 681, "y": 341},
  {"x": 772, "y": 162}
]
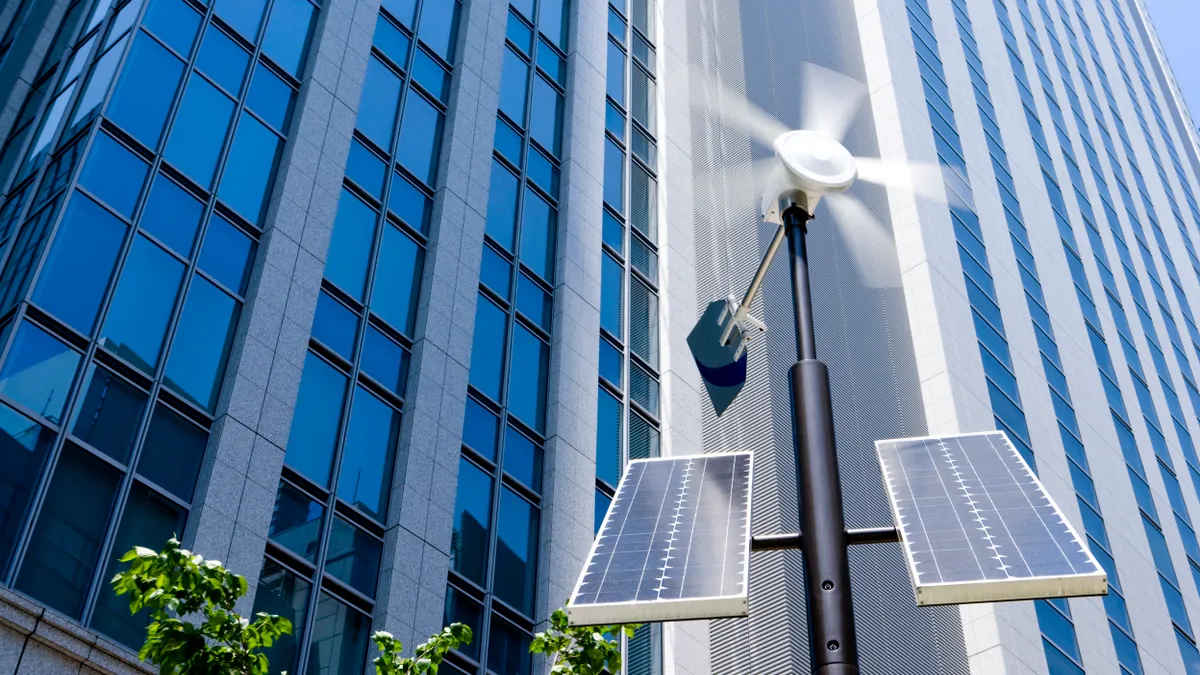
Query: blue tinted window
[
  {"x": 542, "y": 172},
  {"x": 508, "y": 141},
  {"x": 611, "y": 360},
  {"x": 518, "y": 538},
  {"x": 554, "y": 65},
  {"x": 175, "y": 22},
  {"x": 173, "y": 452},
  {"x": 538, "y": 223},
  {"x": 533, "y": 301},
  {"x": 552, "y": 21},
  {"x": 227, "y": 254},
  {"x": 223, "y": 60},
  {"x": 514, "y": 83},
  {"x": 436, "y": 27},
  {"x": 614, "y": 175},
  {"x": 479, "y": 429},
  {"x": 271, "y": 98},
  {"x": 523, "y": 459},
  {"x": 296, "y": 522},
  {"x": 602, "y": 504},
  {"x": 57, "y": 569},
  {"x": 409, "y": 203},
  {"x": 397, "y": 276},
  {"x": 403, "y": 10},
  {"x": 525, "y": 7},
  {"x": 315, "y": 421},
  {"x": 244, "y": 15},
  {"x": 144, "y": 93},
  {"x": 353, "y": 556},
  {"x": 496, "y": 272},
  {"x": 391, "y": 41},
  {"x": 76, "y": 273},
  {"x": 197, "y": 363},
  {"x": 614, "y": 232},
  {"x": 283, "y": 593},
  {"x": 97, "y": 87},
  {"x": 199, "y": 130},
  {"x": 141, "y": 306},
  {"x": 350, "y": 247},
  {"x": 472, "y": 515},
  {"x": 545, "y": 124},
  {"x": 114, "y": 174},
  {"x": 366, "y": 169},
  {"x": 380, "y": 101},
  {"x": 527, "y": 380},
  {"x": 366, "y": 472},
  {"x": 339, "y": 640},
  {"x": 615, "y": 77},
  {"x": 287, "y": 34},
  {"x": 611, "y": 280},
  {"x": 508, "y": 648},
  {"x": 487, "y": 354},
  {"x": 38, "y": 371},
  {"x": 335, "y": 325},
  {"x": 420, "y": 136},
  {"x": 502, "y": 206},
  {"x": 519, "y": 32},
  {"x": 431, "y": 75},
  {"x": 23, "y": 445},
  {"x": 246, "y": 184},
  {"x": 614, "y": 120},
  {"x": 384, "y": 360},
  {"x": 172, "y": 215},
  {"x": 460, "y": 608},
  {"x": 108, "y": 413},
  {"x": 608, "y": 437}
]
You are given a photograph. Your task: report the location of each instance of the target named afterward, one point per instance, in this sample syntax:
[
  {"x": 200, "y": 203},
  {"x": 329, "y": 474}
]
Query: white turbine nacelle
[{"x": 811, "y": 164}]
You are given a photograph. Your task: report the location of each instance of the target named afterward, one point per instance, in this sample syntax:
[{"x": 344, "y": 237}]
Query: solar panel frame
[
  {"x": 993, "y": 590},
  {"x": 681, "y": 609}
]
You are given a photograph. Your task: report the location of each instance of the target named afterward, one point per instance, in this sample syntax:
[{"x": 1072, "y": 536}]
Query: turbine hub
[{"x": 811, "y": 164}]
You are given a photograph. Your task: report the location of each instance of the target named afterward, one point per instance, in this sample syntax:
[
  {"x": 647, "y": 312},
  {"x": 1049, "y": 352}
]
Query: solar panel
[
  {"x": 977, "y": 525},
  {"x": 675, "y": 544}
]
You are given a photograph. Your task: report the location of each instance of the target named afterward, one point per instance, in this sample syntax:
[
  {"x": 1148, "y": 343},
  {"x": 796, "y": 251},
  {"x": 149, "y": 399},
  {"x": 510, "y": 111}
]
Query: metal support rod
[
  {"x": 824, "y": 545},
  {"x": 744, "y": 308},
  {"x": 794, "y": 540}
]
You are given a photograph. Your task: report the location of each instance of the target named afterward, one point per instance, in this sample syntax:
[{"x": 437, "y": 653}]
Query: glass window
[
  {"x": 198, "y": 133},
  {"x": 420, "y": 136},
  {"x": 315, "y": 420},
  {"x": 431, "y": 75},
  {"x": 643, "y": 438},
  {"x": 65, "y": 546},
  {"x": 335, "y": 325},
  {"x": 339, "y": 639},
  {"x": 296, "y": 522},
  {"x": 23, "y": 446},
  {"x": 379, "y": 104},
  {"x": 38, "y": 371},
  {"x": 223, "y": 60},
  {"x": 508, "y": 648},
  {"x": 108, "y": 413},
  {"x": 487, "y": 354},
  {"x": 608, "y": 437},
  {"x": 271, "y": 98},
  {"x": 614, "y": 232},
  {"x": 643, "y": 99},
  {"x": 545, "y": 124},
  {"x": 554, "y": 64},
  {"x": 527, "y": 379},
  {"x": 514, "y": 83},
  {"x": 173, "y": 452},
  {"x": 436, "y": 28},
  {"x": 542, "y": 172},
  {"x": 141, "y": 306},
  {"x": 283, "y": 593},
  {"x": 603, "y": 501},
  {"x": 611, "y": 362},
  {"x": 643, "y": 202},
  {"x": 552, "y": 21},
  {"x": 227, "y": 254},
  {"x": 519, "y": 32},
  {"x": 612, "y": 275},
  {"x": 287, "y": 34},
  {"x": 353, "y": 557},
  {"x": 366, "y": 169},
  {"x": 479, "y": 429},
  {"x": 149, "y": 520},
  {"x": 508, "y": 141},
  {"x": 539, "y": 222},
  {"x": 384, "y": 360},
  {"x": 397, "y": 279},
  {"x": 114, "y": 174},
  {"x": 403, "y": 10},
  {"x": 496, "y": 272},
  {"x": 472, "y": 518},
  {"x": 366, "y": 469},
  {"x": 175, "y": 22},
  {"x": 391, "y": 41},
  {"x": 97, "y": 87},
  {"x": 461, "y": 608},
  {"x": 244, "y": 15},
  {"x": 516, "y": 553},
  {"x": 172, "y": 215},
  {"x": 246, "y": 183},
  {"x": 643, "y": 322},
  {"x": 643, "y": 388},
  {"x": 409, "y": 203},
  {"x": 502, "y": 206},
  {"x": 614, "y": 175},
  {"x": 197, "y": 362},
  {"x": 350, "y": 247},
  {"x": 534, "y": 302},
  {"x": 614, "y": 120},
  {"x": 615, "y": 77},
  {"x": 644, "y": 259},
  {"x": 144, "y": 93},
  {"x": 523, "y": 459},
  {"x": 81, "y": 260}
]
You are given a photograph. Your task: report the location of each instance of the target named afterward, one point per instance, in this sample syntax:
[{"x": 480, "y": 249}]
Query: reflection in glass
[
  {"x": 502, "y": 206},
  {"x": 197, "y": 362},
  {"x": 223, "y": 60},
  {"x": 172, "y": 215},
  {"x": 380, "y": 100},
  {"x": 144, "y": 93},
  {"x": 228, "y": 253},
  {"x": 296, "y": 522},
  {"x": 350, "y": 246},
  {"x": 246, "y": 183},
  {"x": 539, "y": 221},
  {"x": 603, "y": 501},
  {"x": 65, "y": 546},
  {"x": 487, "y": 354},
  {"x": 353, "y": 557},
  {"x": 391, "y": 41},
  {"x": 198, "y": 133},
  {"x": 527, "y": 379},
  {"x": 437, "y": 27},
  {"x": 23, "y": 445},
  {"x": 76, "y": 273},
  {"x": 172, "y": 453},
  {"x": 472, "y": 516},
  {"x": 335, "y": 325},
  {"x": 533, "y": 301},
  {"x": 420, "y": 136},
  {"x": 523, "y": 459},
  {"x": 271, "y": 98},
  {"x": 431, "y": 75},
  {"x": 397, "y": 278},
  {"x": 315, "y": 422},
  {"x": 409, "y": 203},
  {"x": 495, "y": 272},
  {"x": 545, "y": 125},
  {"x": 97, "y": 87},
  {"x": 339, "y": 639},
  {"x": 366, "y": 169},
  {"x": 38, "y": 371},
  {"x": 608, "y": 438},
  {"x": 514, "y": 83},
  {"x": 516, "y": 552},
  {"x": 366, "y": 468},
  {"x": 283, "y": 593},
  {"x": 287, "y": 34},
  {"x": 384, "y": 360},
  {"x": 108, "y": 413},
  {"x": 244, "y": 15},
  {"x": 175, "y": 22},
  {"x": 114, "y": 174},
  {"x": 479, "y": 429},
  {"x": 508, "y": 648},
  {"x": 141, "y": 306},
  {"x": 461, "y": 608}
]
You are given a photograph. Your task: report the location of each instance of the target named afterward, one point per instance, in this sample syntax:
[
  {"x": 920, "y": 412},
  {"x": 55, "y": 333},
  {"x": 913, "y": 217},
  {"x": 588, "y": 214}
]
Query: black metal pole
[{"x": 824, "y": 545}]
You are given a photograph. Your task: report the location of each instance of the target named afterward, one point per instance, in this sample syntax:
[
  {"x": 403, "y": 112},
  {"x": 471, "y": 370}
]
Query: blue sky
[{"x": 1175, "y": 22}]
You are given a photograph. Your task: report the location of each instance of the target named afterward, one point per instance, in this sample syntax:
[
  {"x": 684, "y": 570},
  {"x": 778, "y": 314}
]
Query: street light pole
[{"x": 826, "y": 564}]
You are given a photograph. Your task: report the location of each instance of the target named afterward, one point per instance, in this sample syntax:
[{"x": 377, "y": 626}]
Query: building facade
[{"x": 372, "y": 300}]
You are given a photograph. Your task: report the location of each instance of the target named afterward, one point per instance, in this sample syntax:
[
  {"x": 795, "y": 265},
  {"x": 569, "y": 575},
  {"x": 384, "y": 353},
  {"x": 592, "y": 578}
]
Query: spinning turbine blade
[
  {"x": 923, "y": 178},
  {"x": 866, "y": 238},
  {"x": 735, "y": 109},
  {"x": 829, "y": 101}
]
